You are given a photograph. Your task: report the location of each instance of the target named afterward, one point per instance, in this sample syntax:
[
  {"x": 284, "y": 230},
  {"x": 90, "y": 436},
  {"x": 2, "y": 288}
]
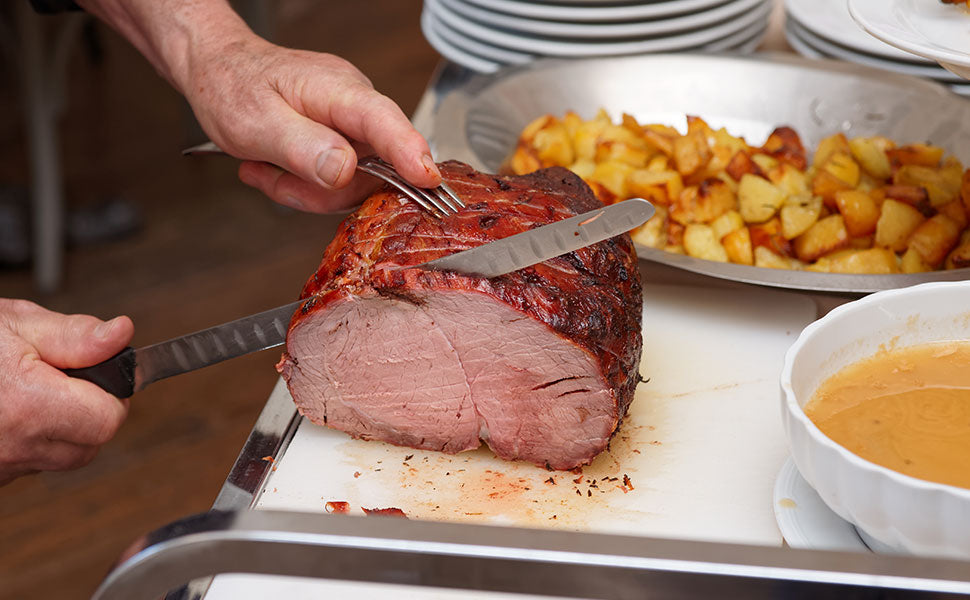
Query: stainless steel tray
[{"x": 479, "y": 121}]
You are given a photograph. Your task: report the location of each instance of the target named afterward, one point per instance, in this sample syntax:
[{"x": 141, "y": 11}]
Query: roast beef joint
[{"x": 540, "y": 364}]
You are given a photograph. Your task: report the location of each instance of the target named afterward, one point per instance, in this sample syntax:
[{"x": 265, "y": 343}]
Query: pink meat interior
[{"x": 442, "y": 371}]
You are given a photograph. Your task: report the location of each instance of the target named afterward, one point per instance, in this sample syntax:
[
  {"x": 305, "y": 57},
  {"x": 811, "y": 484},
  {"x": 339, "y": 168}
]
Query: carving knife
[{"x": 134, "y": 368}]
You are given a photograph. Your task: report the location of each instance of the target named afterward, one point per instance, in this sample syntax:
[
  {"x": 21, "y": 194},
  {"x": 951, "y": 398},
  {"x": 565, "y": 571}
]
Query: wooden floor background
[{"x": 210, "y": 250}]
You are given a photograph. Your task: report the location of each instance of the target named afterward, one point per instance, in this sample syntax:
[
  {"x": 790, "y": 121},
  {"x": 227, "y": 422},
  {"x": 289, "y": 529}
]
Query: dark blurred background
[{"x": 186, "y": 246}]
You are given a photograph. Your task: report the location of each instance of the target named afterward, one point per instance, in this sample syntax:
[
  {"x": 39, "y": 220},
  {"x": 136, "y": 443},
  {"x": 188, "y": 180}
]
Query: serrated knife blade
[
  {"x": 132, "y": 369},
  {"x": 548, "y": 241}
]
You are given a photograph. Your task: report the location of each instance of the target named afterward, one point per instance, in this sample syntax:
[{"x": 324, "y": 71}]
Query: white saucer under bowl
[{"x": 804, "y": 519}]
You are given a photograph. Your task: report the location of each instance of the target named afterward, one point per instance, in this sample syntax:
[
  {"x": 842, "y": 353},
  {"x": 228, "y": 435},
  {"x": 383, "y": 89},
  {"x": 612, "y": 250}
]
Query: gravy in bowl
[{"x": 906, "y": 409}]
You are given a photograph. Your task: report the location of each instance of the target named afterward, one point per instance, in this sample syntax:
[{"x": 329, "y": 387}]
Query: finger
[
  {"x": 367, "y": 115},
  {"x": 68, "y": 409},
  {"x": 69, "y": 341},
  {"x": 311, "y": 151},
  {"x": 289, "y": 190},
  {"x": 57, "y": 455}
]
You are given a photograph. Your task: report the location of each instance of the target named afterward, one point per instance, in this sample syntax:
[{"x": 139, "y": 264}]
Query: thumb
[{"x": 70, "y": 341}]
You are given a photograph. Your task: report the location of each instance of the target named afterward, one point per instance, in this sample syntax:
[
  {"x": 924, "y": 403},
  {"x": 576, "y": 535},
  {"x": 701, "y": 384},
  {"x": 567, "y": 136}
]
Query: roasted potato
[
  {"x": 826, "y": 235},
  {"x": 863, "y": 204},
  {"x": 738, "y": 246},
  {"x": 872, "y": 260},
  {"x": 896, "y": 222},
  {"x": 912, "y": 262},
  {"x": 691, "y": 152},
  {"x": 785, "y": 145},
  {"x": 758, "y": 198},
  {"x": 726, "y": 223},
  {"x": 833, "y": 144},
  {"x": 799, "y": 213},
  {"x": 859, "y": 211},
  {"x": 763, "y": 257},
  {"x": 915, "y": 154},
  {"x": 703, "y": 203},
  {"x": 653, "y": 233},
  {"x": 871, "y": 157},
  {"x": 934, "y": 238},
  {"x": 699, "y": 242}
]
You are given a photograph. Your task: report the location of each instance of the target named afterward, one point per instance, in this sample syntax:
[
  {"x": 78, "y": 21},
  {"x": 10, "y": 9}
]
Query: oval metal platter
[{"x": 479, "y": 121}]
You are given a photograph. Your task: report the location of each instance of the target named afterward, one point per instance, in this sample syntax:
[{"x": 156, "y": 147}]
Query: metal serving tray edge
[{"x": 478, "y": 121}]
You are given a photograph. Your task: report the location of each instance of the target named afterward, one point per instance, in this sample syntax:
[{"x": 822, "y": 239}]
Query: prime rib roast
[{"x": 541, "y": 364}]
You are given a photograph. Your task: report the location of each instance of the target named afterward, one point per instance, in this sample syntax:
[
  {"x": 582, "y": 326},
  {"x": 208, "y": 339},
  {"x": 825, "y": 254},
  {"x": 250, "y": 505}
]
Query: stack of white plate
[
  {"x": 485, "y": 35},
  {"x": 824, "y": 29}
]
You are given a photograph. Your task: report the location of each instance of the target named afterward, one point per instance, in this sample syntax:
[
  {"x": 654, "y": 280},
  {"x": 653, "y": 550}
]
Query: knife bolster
[{"x": 115, "y": 375}]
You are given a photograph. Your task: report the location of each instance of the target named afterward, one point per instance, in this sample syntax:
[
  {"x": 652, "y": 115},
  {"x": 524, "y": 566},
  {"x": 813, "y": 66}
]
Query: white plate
[
  {"x": 629, "y": 12},
  {"x": 485, "y": 58},
  {"x": 561, "y": 48},
  {"x": 804, "y": 519},
  {"x": 803, "y": 48},
  {"x": 937, "y": 31},
  {"x": 928, "y": 70},
  {"x": 470, "y": 45},
  {"x": 599, "y": 31},
  {"x": 831, "y": 19},
  {"x": 745, "y": 41},
  {"x": 452, "y": 53}
]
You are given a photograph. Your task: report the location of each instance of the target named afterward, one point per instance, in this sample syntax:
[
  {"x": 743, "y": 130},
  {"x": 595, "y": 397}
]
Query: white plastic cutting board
[{"x": 701, "y": 445}]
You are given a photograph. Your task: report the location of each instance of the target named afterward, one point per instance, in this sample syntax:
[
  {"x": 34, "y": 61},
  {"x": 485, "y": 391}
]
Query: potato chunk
[
  {"x": 691, "y": 152},
  {"x": 895, "y": 224},
  {"x": 879, "y": 261},
  {"x": 699, "y": 242},
  {"x": 758, "y": 198},
  {"x": 934, "y": 238},
  {"x": 831, "y": 145},
  {"x": 764, "y": 257},
  {"x": 663, "y": 186},
  {"x": 785, "y": 145},
  {"x": 738, "y": 246},
  {"x": 871, "y": 157},
  {"x": 916, "y": 154},
  {"x": 912, "y": 262},
  {"x": 859, "y": 211},
  {"x": 798, "y": 214},
  {"x": 726, "y": 223},
  {"x": 826, "y": 235},
  {"x": 653, "y": 233},
  {"x": 703, "y": 203}
]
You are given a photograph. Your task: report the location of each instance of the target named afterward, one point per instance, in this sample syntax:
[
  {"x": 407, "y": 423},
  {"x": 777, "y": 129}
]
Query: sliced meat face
[{"x": 441, "y": 370}]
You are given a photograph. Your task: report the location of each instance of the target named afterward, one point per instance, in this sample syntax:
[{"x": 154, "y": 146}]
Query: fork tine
[
  {"x": 451, "y": 194},
  {"x": 408, "y": 190},
  {"x": 446, "y": 202},
  {"x": 427, "y": 198},
  {"x": 445, "y": 199},
  {"x": 434, "y": 198}
]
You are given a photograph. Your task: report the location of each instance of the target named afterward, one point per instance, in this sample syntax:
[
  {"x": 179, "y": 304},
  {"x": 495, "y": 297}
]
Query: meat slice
[{"x": 541, "y": 364}]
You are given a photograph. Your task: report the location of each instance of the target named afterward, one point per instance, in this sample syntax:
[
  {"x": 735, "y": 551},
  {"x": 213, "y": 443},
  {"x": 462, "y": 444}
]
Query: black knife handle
[{"x": 115, "y": 375}]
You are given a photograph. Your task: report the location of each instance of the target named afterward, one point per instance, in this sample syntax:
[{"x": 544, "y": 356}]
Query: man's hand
[
  {"x": 49, "y": 421},
  {"x": 298, "y": 118},
  {"x": 297, "y": 110}
]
